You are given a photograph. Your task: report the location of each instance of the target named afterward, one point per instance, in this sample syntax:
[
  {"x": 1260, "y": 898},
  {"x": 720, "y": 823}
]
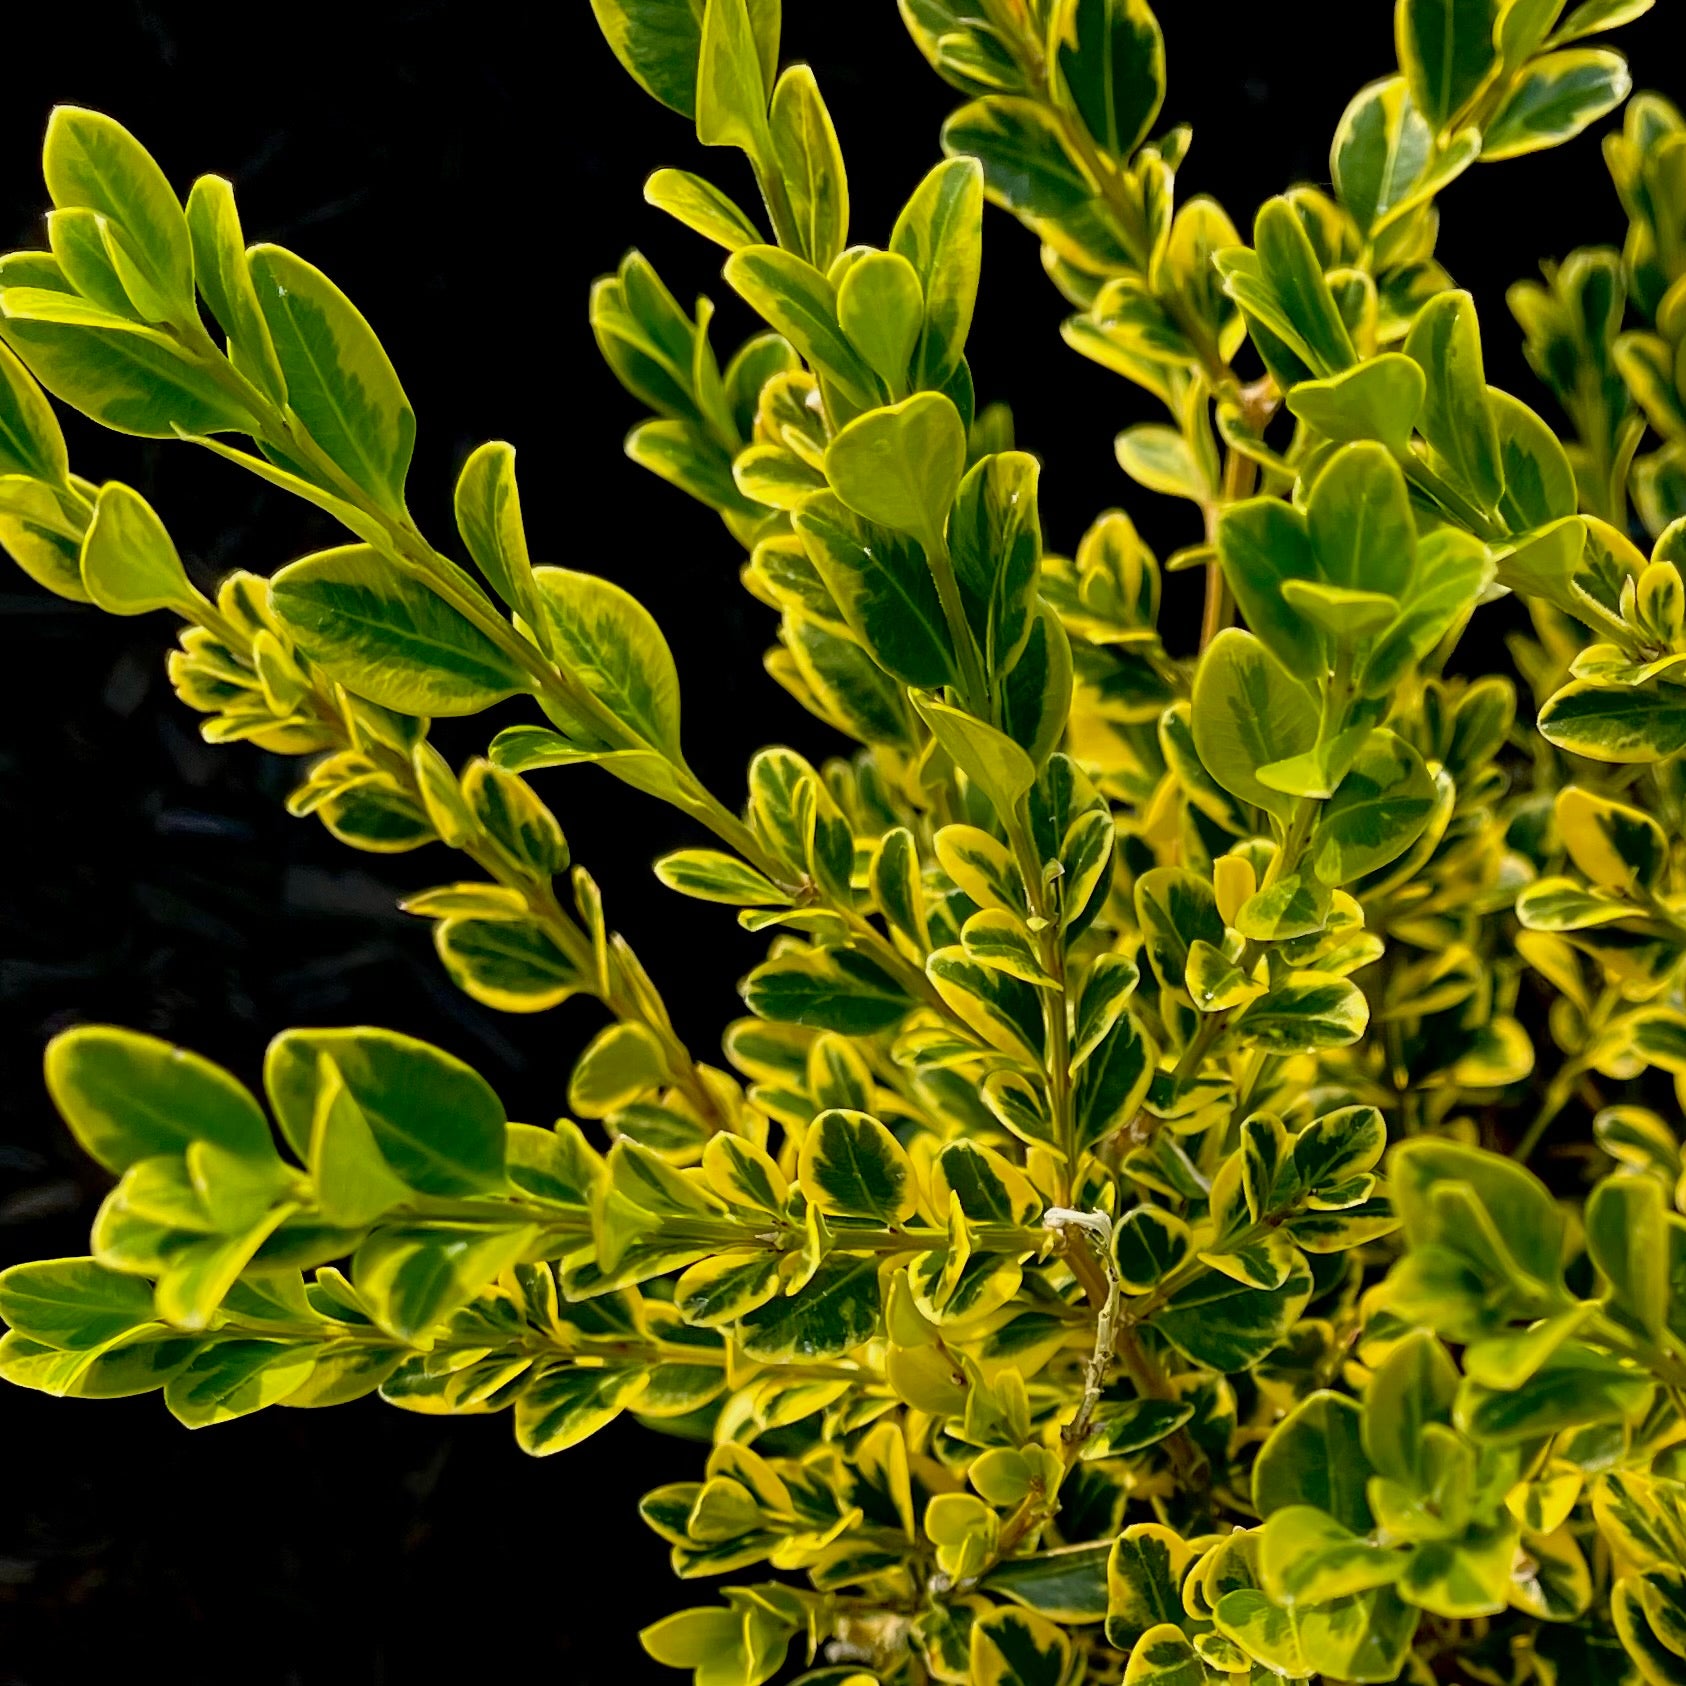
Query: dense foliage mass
[{"x": 1111, "y": 1235}]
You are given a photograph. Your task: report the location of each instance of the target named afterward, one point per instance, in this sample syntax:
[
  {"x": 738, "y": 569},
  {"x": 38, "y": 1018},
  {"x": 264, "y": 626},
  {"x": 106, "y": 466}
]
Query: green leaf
[
  {"x": 1144, "y": 1575},
  {"x": 1452, "y": 571},
  {"x": 1576, "y": 1387},
  {"x": 1377, "y": 812},
  {"x": 658, "y": 42},
  {"x": 850, "y": 1166},
  {"x": 1628, "y": 1241},
  {"x": 1004, "y": 1011},
  {"x": 1457, "y": 420},
  {"x": 711, "y": 876},
  {"x": 701, "y": 206},
  {"x": 140, "y": 1361},
  {"x": 36, "y": 534},
  {"x": 72, "y": 1304},
  {"x": 1593, "y": 16},
  {"x": 1262, "y": 544},
  {"x": 1018, "y": 1648},
  {"x": 1623, "y": 723},
  {"x": 128, "y": 1097},
  {"x": 990, "y": 1188},
  {"x": 1296, "y": 905},
  {"x": 880, "y": 581},
  {"x": 838, "y": 1310},
  {"x": 1557, "y": 97},
  {"x": 1363, "y": 1637},
  {"x": 684, "y": 457},
  {"x": 709, "y": 1641},
  {"x": 1315, "y": 1456},
  {"x": 1290, "y": 267},
  {"x": 1175, "y": 909},
  {"x": 1219, "y": 1322},
  {"x": 829, "y": 989},
  {"x": 129, "y": 563},
  {"x": 565, "y": 1404},
  {"x": 506, "y": 809},
  {"x": 797, "y": 300},
  {"x": 646, "y": 339},
  {"x": 1165, "y": 1656},
  {"x": 995, "y": 542},
  {"x": 488, "y": 510},
  {"x": 1545, "y": 564},
  {"x": 1619, "y": 848},
  {"x": 1343, "y": 614},
  {"x": 30, "y": 441},
  {"x": 1135, "y": 1425},
  {"x": 340, "y": 383},
  {"x": 1027, "y": 166},
  {"x": 1639, "y": 1606},
  {"x": 1109, "y": 56},
  {"x": 1465, "y": 1578},
  {"x": 734, "y": 78},
  {"x": 725, "y": 1288},
  {"x": 811, "y": 163},
  {"x": 513, "y": 965},
  {"x": 1413, "y": 1387},
  {"x": 1307, "y": 1011},
  {"x": 354, "y": 1183},
  {"x": 1147, "y": 1246},
  {"x": 389, "y": 637},
  {"x": 92, "y": 161},
  {"x": 1382, "y": 147},
  {"x": 224, "y": 276},
  {"x": 1378, "y": 399},
  {"x": 1113, "y": 1082},
  {"x": 882, "y": 310},
  {"x": 1161, "y": 459},
  {"x": 990, "y": 759},
  {"x": 1340, "y": 1145},
  {"x": 1036, "y": 695},
  {"x": 605, "y": 639},
  {"x": 87, "y": 247},
  {"x": 940, "y": 232},
  {"x": 1446, "y": 49},
  {"x": 1539, "y": 478},
  {"x": 1065, "y": 1584},
  {"x": 621, "y": 1063},
  {"x": 235, "y": 1378},
  {"x": 1306, "y": 1557},
  {"x": 436, "y": 1121},
  {"x": 1001, "y": 940},
  {"x": 1249, "y": 713},
  {"x": 413, "y": 1276},
  {"x": 1264, "y": 1262},
  {"x": 844, "y": 685},
  {"x": 1516, "y": 1203},
  {"x": 901, "y": 466},
  {"x": 1359, "y": 518},
  {"x": 980, "y": 866}
]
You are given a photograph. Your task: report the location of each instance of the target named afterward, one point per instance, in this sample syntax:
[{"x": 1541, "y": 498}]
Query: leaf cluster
[{"x": 1108, "y": 1243}]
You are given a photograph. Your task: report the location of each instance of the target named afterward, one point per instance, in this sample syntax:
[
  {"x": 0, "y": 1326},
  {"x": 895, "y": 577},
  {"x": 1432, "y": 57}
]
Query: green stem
[
  {"x": 1557, "y": 1096},
  {"x": 1467, "y": 514}
]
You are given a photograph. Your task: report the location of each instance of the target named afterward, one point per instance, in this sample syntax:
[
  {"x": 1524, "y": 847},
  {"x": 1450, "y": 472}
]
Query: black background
[{"x": 464, "y": 171}]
